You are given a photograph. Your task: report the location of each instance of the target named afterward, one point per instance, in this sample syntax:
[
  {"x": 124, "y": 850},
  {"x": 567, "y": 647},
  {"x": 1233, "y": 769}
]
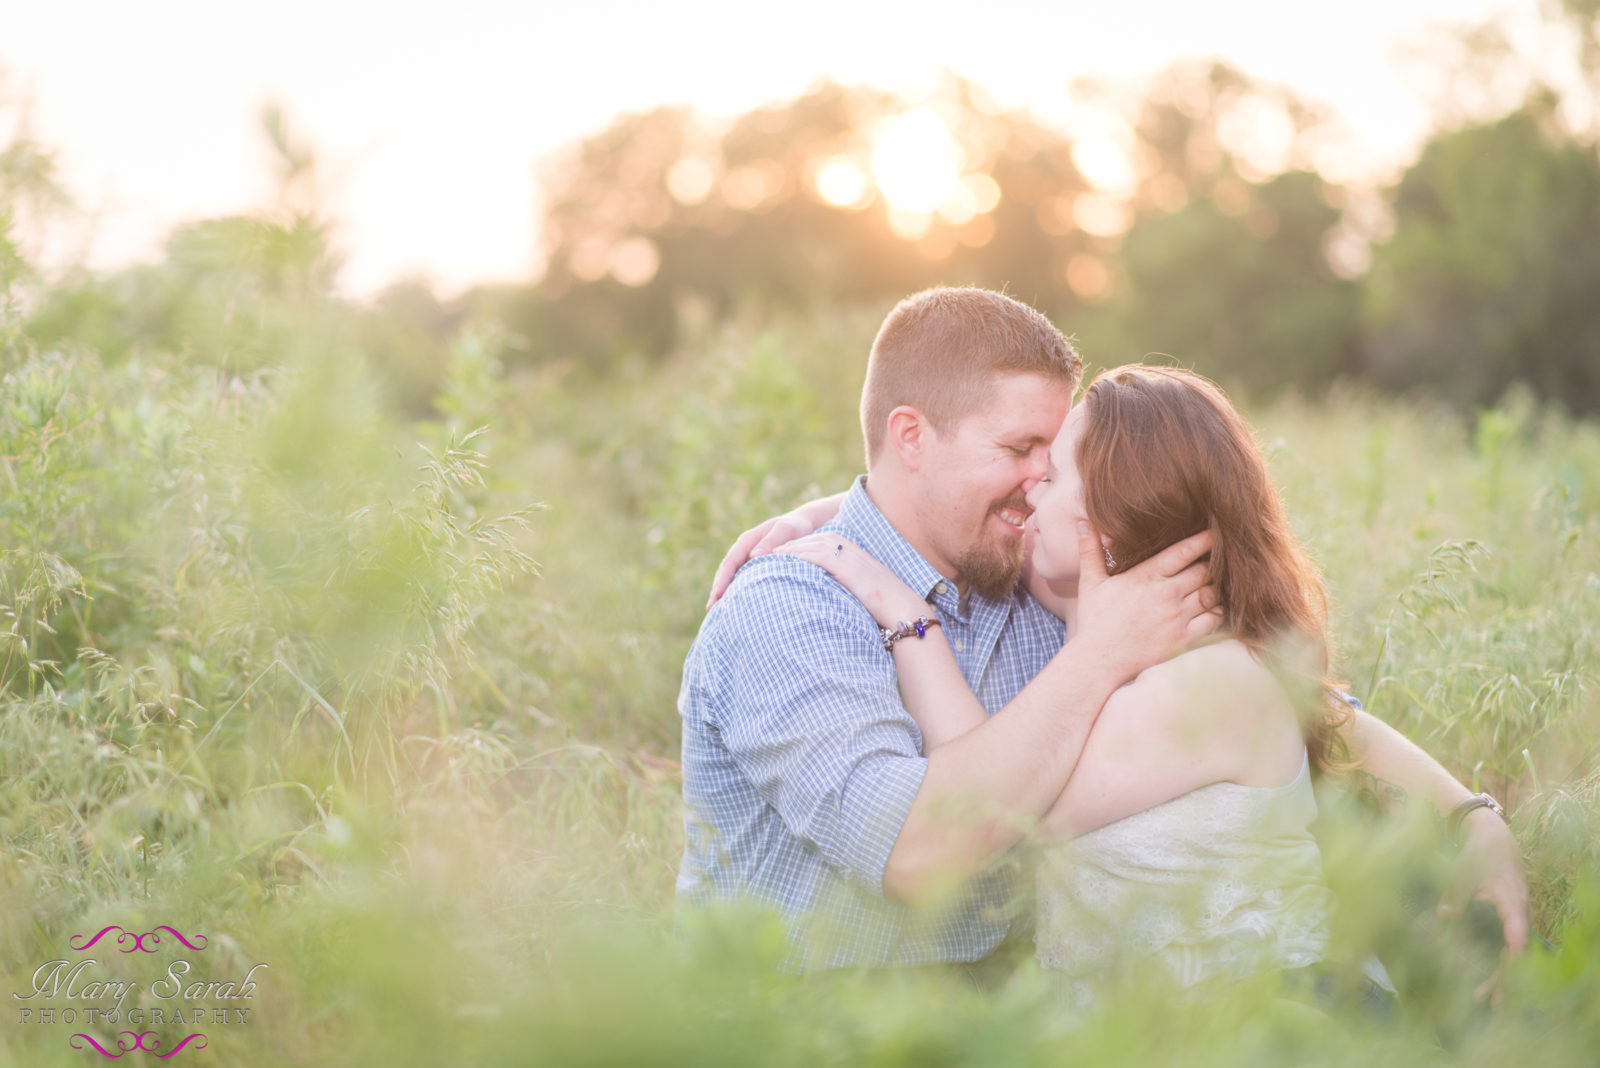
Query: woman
[{"x": 1181, "y": 837}]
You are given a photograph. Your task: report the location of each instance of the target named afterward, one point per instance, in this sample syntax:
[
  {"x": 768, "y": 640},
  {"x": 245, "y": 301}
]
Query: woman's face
[{"x": 1057, "y": 503}]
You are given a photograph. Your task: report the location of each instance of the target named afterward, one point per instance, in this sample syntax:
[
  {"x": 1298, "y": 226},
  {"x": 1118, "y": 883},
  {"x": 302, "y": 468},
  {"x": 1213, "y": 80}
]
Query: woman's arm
[
  {"x": 937, "y": 695},
  {"x": 933, "y": 689},
  {"x": 931, "y": 684}
]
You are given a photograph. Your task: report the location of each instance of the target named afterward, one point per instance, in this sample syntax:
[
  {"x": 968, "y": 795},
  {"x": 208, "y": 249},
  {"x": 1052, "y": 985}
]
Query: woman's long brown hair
[{"x": 1164, "y": 455}]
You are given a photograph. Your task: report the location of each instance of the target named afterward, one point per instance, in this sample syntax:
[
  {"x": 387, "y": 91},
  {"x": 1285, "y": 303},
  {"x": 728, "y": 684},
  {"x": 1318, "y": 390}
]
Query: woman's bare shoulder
[
  {"x": 1227, "y": 664},
  {"x": 1197, "y": 684},
  {"x": 1221, "y": 692}
]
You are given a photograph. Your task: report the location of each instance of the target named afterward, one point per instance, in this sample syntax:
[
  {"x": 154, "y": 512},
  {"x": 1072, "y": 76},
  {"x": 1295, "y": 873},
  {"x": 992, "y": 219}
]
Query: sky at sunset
[{"x": 428, "y": 119}]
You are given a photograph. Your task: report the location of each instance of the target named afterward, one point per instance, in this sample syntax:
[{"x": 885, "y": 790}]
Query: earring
[{"x": 1111, "y": 562}]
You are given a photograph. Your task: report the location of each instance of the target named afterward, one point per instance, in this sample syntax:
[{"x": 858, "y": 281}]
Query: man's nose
[
  {"x": 1038, "y": 464},
  {"x": 1039, "y": 458}
]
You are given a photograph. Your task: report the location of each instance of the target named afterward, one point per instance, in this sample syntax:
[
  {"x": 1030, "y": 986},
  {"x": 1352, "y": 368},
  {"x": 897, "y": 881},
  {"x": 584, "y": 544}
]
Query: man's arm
[
  {"x": 984, "y": 788},
  {"x": 1210, "y": 715},
  {"x": 794, "y": 692},
  {"x": 1489, "y": 867}
]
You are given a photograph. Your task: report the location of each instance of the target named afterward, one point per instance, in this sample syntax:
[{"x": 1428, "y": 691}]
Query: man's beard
[{"x": 992, "y": 570}]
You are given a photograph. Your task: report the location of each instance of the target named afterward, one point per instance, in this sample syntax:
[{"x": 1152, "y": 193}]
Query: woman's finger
[
  {"x": 785, "y": 529},
  {"x": 796, "y": 546},
  {"x": 735, "y": 559}
]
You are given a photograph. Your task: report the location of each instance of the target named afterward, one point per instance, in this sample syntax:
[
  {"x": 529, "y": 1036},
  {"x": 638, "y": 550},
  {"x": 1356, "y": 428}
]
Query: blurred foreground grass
[{"x": 278, "y": 669}]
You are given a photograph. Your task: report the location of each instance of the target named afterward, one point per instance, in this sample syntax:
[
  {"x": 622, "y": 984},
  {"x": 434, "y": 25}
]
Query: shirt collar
[{"x": 861, "y": 522}]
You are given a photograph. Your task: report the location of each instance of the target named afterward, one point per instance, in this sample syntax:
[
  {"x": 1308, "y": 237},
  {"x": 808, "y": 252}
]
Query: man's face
[{"x": 972, "y": 503}]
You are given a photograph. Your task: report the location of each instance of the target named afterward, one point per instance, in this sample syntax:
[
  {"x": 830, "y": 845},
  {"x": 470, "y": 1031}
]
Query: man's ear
[{"x": 908, "y": 436}]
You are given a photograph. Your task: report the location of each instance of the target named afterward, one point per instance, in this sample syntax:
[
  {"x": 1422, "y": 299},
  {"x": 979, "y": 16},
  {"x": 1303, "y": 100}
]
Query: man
[{"x": 803, "y": 775}]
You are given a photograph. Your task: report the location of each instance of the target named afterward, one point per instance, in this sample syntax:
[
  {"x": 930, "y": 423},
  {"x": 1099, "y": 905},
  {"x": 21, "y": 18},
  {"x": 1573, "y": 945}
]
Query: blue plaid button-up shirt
[{"x": 800, "y": 763}]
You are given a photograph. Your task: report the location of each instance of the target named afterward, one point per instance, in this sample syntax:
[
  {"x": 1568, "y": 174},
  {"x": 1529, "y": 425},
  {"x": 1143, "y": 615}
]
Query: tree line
[{"x": 1228, "y": 244}]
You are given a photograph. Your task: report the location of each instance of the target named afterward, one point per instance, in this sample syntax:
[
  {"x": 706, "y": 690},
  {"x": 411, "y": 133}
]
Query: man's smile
[{"x": 1012, "y": 515}]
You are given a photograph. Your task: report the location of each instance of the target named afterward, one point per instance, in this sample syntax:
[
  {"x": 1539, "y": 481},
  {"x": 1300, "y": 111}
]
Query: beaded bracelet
[{"x": 905, "y": 629}]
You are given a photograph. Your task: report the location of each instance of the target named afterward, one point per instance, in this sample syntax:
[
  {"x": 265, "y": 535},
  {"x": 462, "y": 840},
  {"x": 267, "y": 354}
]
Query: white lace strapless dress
[{"x": 1223, "y": 882}]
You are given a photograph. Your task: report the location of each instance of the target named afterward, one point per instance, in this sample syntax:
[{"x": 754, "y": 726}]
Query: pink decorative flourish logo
[
  {"x": 138, "y": 1043},
  {"x": 138, "y": 942}
]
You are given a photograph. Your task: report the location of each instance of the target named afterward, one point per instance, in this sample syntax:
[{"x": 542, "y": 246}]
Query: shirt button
[
  {"x": 960, "y": 645},
  {"x": 941, "y": 588}
]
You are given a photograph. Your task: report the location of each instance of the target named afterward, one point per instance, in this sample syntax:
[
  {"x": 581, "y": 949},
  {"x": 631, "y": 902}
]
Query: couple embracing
[{"x": 1089, "y": 628}]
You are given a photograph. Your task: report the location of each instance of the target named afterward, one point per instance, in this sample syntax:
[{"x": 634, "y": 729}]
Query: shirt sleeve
[{"x": 811, "y": 712}]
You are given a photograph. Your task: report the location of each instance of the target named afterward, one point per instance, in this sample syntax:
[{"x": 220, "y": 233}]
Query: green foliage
[
  {"x": 275, "y": 668},
  {"x": 309, "y": 710},
  {"x": 235, "y": 292},
  {"x": 1483, "y": 283},
  {"x": 1269, "y": 316},
  {"x": 406, "y": 334},
  {"x": 649, "y": 476}
]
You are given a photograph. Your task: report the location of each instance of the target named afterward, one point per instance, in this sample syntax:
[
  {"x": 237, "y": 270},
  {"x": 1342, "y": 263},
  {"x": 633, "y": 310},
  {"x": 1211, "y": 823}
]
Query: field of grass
[{"x": 389, "y": 707}]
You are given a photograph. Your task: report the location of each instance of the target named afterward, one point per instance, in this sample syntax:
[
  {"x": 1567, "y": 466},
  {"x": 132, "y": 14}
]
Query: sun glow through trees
[
  {"x": 917, "y": 163},
  {"x": 918, "y": 167}
]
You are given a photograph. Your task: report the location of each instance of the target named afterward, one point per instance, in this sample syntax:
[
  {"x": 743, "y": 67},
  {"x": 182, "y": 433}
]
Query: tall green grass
[{"x": 327, "y": 685}]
